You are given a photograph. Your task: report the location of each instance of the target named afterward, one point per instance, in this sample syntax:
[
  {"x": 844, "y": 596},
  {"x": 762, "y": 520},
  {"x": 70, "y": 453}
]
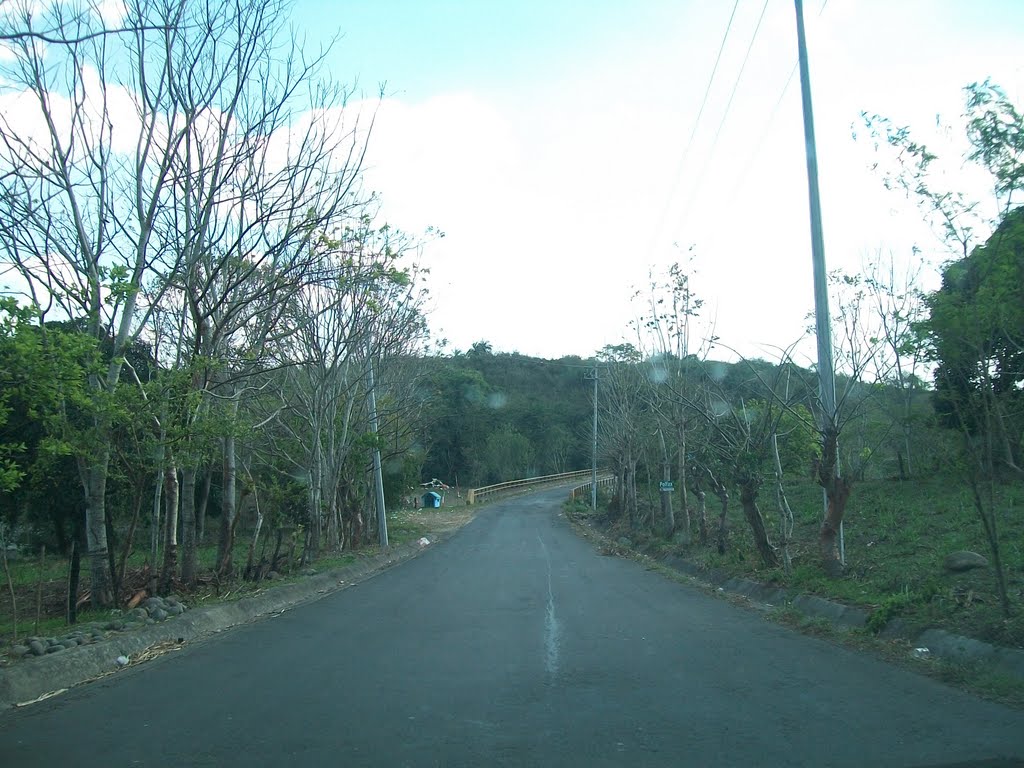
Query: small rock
[
  {"x": 69, "y": 644},
  {"x": 151, "y": 621},
  {"x": 21, "y": 650},
  {"x": 55, "y": 649},
  {"x": 159, "y": 614},
  {"x": 139, "y": 614},
  {"x": 152, "y": 602},
  {"x": 175, "y": 610},
  {"x": 36, "y": 647},
  {"x": 171, "y": 600},
  {"x": 921, "y": 653},
  {"x": 309, "y": 572},
  {"x": 273, "y": 575},
  {"x": 964, "y": 561},
  {"x": 122, "y": 661}
]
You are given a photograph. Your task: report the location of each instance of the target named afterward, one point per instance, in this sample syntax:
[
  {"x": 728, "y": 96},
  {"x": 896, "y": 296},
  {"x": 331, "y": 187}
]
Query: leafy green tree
[
  {"x": 976, "y": 324},
  {"x": 976, "y": 321}
]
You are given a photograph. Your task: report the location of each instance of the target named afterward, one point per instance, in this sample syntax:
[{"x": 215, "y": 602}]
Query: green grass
[
  {"x": 911, "y": 528},
  {"x": 897, "y": 536},
  {"x": 407, "y": 525},
  {"x": 26, "y": 570},
  {"x": 28, "y": 575}
]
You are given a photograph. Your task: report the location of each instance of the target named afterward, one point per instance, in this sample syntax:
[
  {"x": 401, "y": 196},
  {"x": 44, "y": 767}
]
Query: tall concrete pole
[{"x": 823, "y": 326}]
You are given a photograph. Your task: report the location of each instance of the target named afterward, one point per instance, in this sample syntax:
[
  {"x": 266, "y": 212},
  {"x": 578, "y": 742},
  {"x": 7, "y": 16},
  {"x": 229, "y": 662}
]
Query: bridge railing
[
  {"x": 583, "y": 491},
  {"x": 475, "y": 495}
]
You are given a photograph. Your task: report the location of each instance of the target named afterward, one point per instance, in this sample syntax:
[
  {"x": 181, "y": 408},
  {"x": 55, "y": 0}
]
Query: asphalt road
[{"x": 514, "y": 643}]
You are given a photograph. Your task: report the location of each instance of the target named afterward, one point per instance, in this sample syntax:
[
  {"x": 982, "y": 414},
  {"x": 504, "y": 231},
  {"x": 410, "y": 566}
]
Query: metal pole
[
  {"x": 378, "y": 477},
  {"x": 826, "y": 374}
]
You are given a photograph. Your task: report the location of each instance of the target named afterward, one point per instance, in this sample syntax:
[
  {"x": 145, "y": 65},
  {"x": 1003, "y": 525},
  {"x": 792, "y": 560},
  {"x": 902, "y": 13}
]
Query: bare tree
[
  {"x": 368, "y": 306},
  {"x": 666, "y": 329},
  {"x": 199, "y": 160},
  {"x": 900, "y": 312},
  {"x": 83, "y": 185},
  {"x": 624, "y": 423},
  {"x": 59, "y": 25}
]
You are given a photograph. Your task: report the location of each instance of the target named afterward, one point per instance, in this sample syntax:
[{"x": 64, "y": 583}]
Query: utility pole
[
  {"x": 593, "y": 461},
  {"x": 378, "y": 476},
  {"x": 823, "y": 326}
]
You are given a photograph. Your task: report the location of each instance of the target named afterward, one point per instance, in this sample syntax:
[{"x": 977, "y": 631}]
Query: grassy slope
[{"x": 897, "y": 535}]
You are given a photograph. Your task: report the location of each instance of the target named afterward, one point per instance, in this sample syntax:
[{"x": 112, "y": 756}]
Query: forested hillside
[{"x": 502, "y": 416}]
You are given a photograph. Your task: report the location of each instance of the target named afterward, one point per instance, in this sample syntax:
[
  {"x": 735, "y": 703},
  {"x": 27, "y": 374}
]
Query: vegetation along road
[{"x": 514, "y": 643}]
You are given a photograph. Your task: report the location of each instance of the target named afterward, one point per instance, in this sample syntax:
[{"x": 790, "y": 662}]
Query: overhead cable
[
  {"x": 696, "y": 124},
  {"x": 725, "y": 116}
]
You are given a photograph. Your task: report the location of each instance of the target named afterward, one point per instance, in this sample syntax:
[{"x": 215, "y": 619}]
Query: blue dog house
[{"x": 431, "y": 500}]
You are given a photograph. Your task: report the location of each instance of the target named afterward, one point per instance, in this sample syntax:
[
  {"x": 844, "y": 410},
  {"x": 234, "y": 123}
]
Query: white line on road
[{"x": 550, "y": 622}]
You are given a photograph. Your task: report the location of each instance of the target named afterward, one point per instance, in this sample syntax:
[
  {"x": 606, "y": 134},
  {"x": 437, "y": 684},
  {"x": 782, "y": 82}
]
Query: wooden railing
[{"x": 475, "y": 495}]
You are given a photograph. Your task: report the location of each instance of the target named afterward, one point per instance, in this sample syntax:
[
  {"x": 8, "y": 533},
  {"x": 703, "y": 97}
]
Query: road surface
[{"x": 514, "y": 644}]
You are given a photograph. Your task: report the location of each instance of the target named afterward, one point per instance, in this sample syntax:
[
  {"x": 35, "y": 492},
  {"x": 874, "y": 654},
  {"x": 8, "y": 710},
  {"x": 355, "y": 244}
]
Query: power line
[
  {"x": 771, "y": 118},
  {"x": 696, "y": 124},
  {"x": 725, "y": 116},
  {"x": 764, "y": 133}
]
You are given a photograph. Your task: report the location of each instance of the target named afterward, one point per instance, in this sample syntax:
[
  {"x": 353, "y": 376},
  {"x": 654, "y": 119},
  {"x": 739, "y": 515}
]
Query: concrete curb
[
  {"x": 958, "y": 648},
  {"x": 938, "y": 642},
  {"x": 30, "y": 679}
]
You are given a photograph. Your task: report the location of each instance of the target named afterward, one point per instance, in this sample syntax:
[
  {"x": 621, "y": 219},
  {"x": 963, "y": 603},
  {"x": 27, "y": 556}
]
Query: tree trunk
[
  {"x": 908, "y": 429},
  {"x": 837, "y": 492},
  {"x": 129, "y": 543},
  {"x": 702, "y": 519},
  {"x": 631, "y": 496},
  {"x": 785, "y": 513},
  {"x": 75, "y": 572},
  {"x": 189, "y": 534},
  {"x": 250, "y": 570},
  {"x": 115, "y": 583},
  {"x": 723, "y": 497},
  {"x": 170, "y": 565},
  {"x": 158, "y": 492},
  {"x": 225, "y": 546},
  {"x": 667, "y": 515},
  {"x": 204, "y": 499},
  {"x": 95, "y": 481},
  {"x": 333, "y": 536},
  {"x": 631, "y": 501},
  {"x": 748, "y": 500},
  {"x": 314, "y": 519},
  {"x": 681, "y": 479}
]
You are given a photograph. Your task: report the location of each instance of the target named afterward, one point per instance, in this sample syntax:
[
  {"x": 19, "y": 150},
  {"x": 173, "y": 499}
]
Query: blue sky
[{"x": 547, "y": 140}]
